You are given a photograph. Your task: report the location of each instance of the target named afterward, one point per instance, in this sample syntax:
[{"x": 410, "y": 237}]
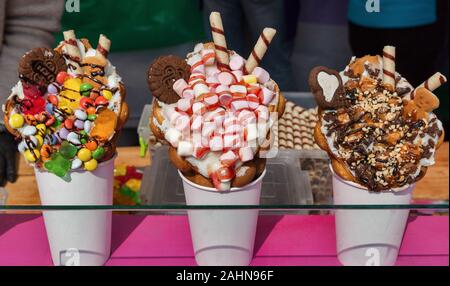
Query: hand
[{"x": 8, "y": 162}]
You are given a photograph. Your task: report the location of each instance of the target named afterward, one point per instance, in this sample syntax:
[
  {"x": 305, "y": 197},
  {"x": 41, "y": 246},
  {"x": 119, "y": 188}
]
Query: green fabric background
[{"x": 136, "y": 24}]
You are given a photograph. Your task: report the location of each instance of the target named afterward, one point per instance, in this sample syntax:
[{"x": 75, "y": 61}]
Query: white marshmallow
[
  {"x": 185, "y": 148},
  {"x": 238, "y": 88},
  {"x": 216, "y": 143},
  {"x": 226, "y": 78},
  {"x": 179, "y": 85},
  {"x": 261, "y": 74},
  {"x": 246, "y": 154},
  {"x": 200, "y": 88},
  {"x": 173, "y": 136},
  {"x": 236, "y": 62}
]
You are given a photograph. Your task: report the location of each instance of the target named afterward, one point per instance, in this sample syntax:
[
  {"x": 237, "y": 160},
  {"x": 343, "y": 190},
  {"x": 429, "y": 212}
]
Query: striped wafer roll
[
  {"x": 103, "y": 46},
  {"x": 260, "y": 49},
  {"x": 389, "y": 66},
  {"x": 220, "y": 44},
  {"x": 72, "y": 52},
  {"x": 434, "y": 81}
]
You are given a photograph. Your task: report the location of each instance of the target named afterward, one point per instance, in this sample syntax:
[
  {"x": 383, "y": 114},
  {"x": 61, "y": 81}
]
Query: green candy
[
  {"x": 68, "y": 150},
  {"x": 56, "y": 124},
  {"x": 98, "y": 153},
  {"x": 83, "y": 141},
  {"x": 83, "y": 133},
  {"x": 58, "y": 165},
  {"x": 92, "y": 117},
  {"x": 86, "y": 93},
  {"x": 86, "y": 87}
]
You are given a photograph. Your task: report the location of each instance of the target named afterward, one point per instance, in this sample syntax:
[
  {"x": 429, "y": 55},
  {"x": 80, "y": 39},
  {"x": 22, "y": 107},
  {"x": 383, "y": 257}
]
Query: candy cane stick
[
  {"x": 432, "y": 83},
  {"x": 220, "y": 44},
  {"x": 72, "y": 52},
  {"x": 389, "y": 66},
  {"x": 104, "y": 45},
  {"x": 260, "y": 49}
]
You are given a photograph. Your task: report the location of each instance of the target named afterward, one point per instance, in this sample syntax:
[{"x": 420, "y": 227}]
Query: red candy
[
  {"x": 33, "y": 103},
  {"x": 61, "y": 77},
  {"x": 53, "y": 99},
  {"x": 50, "y": 121},
  {"x": 101, "y": 101},
  {"x": 68, "y": 123},
  {"x": 86, "y": 102}
]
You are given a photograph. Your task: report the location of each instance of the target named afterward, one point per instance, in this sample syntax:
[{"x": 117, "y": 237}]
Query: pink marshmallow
[
  {"x": 179, "y": 85},
  {"x": 261, "y": 75},
  {"x": 245, "y": 117},
  {"x": 196, "y": 64},
  {"x": 200, "y": 88},
  {"x": 232, "y": 141},
  {"x": 238, "y": 88},
  {"x": 182, "y": 123},
  {"x": 222, "y": 88},
  {"x": 266, "y": 95},
  {"x": 238, "y": 75},
  {"x": 225, "y": 98},
  {"x": 253, "y": 101},
  {"x": 184, "y": 104},
  {"x": 188, "y": 93},
  {"x": 196, "y": 77},
  {"x": 228, "y": 158},
  {"x": 263, "y": 113},
  {"x": 230, "y": 120},
  {"x": 234, "y": 129},
  {"x": 246, "y": 154},
  {"x": 196, "y": 124},
  {"x": 237, "y": 105},
  {"x": 226, "y": 78},
  {"x": 208, "y": 129},
  {"x": 236, "y": 62},
  {"x": 208, "y": 56},
  {"x": 211, "y": 99},
  {"x": 216, "y": 143},
  {"x": 211, "y": 70}
]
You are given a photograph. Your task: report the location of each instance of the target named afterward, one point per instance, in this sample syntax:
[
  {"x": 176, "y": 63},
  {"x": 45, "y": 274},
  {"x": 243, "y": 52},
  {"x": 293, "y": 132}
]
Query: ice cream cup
[
  {"x": 369, "y": 237},
  {"x": 223, "y": 237},
  {"x": 78, "y": 237}
]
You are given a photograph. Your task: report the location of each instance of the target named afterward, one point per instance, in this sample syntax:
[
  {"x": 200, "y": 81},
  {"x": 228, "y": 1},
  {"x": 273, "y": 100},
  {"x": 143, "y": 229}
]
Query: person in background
[
  {"x": 243, "y": 21},
  {"x": 413, "y": 27},
  {"x": 23, "y": 26}
]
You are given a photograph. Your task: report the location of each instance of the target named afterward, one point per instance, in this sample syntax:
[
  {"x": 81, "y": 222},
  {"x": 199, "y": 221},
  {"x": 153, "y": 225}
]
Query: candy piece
[
  {"x": 91, "y": 110},
  {"x": 188, "y": 93},
  {"x": 216, "y": 143},
  {"x": 196, "y": 77},
  {"x": 234, "y": 129},
  {"x": 91, "y": 145},
  {"x": 58, "y": 165},
  {"x": 52, "y": 88},
  {"x": 63, "y": 132},
  {"x": 261, "y": 74},
  {"x": 251, "y": 132},
  {"x": 196, "y": 63},
  {"x": 246, "y": 154},
  {"x": 249, "y": 79},
  {"x": 212, "y": 81},
  {"x": 185, "y": 148},
  {"x": 91, "y": 165},
  {"x": 46, "y": 151},
  {"x": 101, "y": 101},
  {"x": 211, "y": 70},
  {"x": 200, "y": 88},
  {"x": 68, "y": 150},
  {"x": 228, "y": 158},
  {"x": 232, "y": 141},
  {"x": 73, "y": 84},
  {"x": 84, "y": 154},
  {"x": 79, "y": 124},
  {"x": 53, "y": 99},
  {"x": 87, "y": 126},
  {"x": 196, "y": 124},
  {"x": 29, "y": 130},
  {"x": 73, "y": 138},
  {"x": 184, "y": 104},
  {"x": 226, "y": 78},
  {"x": 208, "y": 56},
  {"x": 80, "y": 114},
  {"x": 220, "y": 43},
  {"x": 237, "y": 105},
  {"x": 389, "y": 67},
  {"x": 208, "y": 129},
  {"x": 61, "y": 77},
  {"x": 173, "y": 136},
  {"x": 41, "y": 128},
  {"x": 236, "y": 62},
  {"x": 32, "y": 155},
  {"x": 238, "y": 74},
  {"x": 259, "y": 49},
  {"x": 225, "y": 98},
  {"x": 98, "y": 153},
  {"x": 68, "y": 124},
  {"x": 246, "y": 117},
  {"x": 253, "y": 101},
  {"x": 104, "y": 125},
  {"x": 211, "y": 99},
  {"x": 16, "y": 121},
  {"x": 86, "y": 102},
  {"x": 76, "y": 163},
  {"x": 92, "y": 117},
  {"x": 107, "y": 94},
  {"x": 238, "y": 89},
  {"x": 179, "y": 86},
  {"x": 262, "y": 113},
  {"x": 39, "y": 139},
  {"x": 266, "y": 95}
]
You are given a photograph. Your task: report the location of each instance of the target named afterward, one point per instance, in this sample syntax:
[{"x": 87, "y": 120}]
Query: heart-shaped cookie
[{"x": 40, "y": 66}]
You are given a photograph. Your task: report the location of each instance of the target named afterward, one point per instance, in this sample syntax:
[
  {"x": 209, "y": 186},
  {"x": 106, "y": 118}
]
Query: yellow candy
[
  {"x": 16, "y": 121},
  {"x": 120, "y": 170},
  {"x": 73, "y": 84},
  {"x": 90, "y": 165},
  {"x": 84, "y": 154},
  {"x": 107, "y": 94},
  {"x": 249, "y": 79},
  {"x": 69, "y": 99},
  {"x": 30, "y": 157},
  {"x": 41, "y": 128},
  {"x": 134, "y": 184},
  {"x": 40, "y": 140}
]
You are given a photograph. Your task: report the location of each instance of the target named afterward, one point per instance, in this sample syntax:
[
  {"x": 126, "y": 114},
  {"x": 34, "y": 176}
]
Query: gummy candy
[
  {"x": 58, "y": 165},
  {"x": 68, "y": 150}
]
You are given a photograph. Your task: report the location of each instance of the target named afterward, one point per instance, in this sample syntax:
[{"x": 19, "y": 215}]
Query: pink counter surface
[{"x": 165, "y": 240}]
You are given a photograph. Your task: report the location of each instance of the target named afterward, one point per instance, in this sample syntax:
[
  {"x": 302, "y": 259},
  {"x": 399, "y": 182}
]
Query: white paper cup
[
  {"x": 78, "y": 237},
  {"x": 369, "y": 237},
  {"x": 223, "y": 237}
]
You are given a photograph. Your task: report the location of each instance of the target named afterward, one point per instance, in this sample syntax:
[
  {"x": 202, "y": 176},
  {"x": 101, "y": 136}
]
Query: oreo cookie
[
  {"x": 40, "y": 66},
  {"x": 162, "y": 73}
]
